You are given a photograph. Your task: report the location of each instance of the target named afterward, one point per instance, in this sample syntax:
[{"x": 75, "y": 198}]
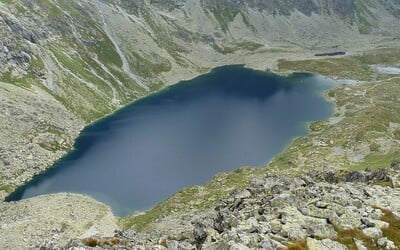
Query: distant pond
[{"x": 184, "y": 135}]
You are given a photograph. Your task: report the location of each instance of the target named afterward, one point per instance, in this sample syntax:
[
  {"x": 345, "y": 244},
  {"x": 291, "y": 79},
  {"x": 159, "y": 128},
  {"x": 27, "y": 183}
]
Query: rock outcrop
[
  {"x": 360, "y": 209},
  {"x": 54, "y": 218}
]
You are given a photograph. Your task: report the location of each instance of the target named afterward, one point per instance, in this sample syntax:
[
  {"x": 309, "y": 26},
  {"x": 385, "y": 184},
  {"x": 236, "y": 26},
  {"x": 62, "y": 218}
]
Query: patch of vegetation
[
  {"x": 374, "y": 147},
  {"x": 298, "y": 245},
  {"x": 225, "y": 16},
  {"x": 7, "y": 188},
  {"x": 346, "y": 237},
  {"x": 78, "y": 67},
  {"x": 346, "y": 67},
  {"x": 106, "y": 52},
  {"x": 52, "y": 146},
  {"x": 365, "y": 17},
  {"x": 364, "y": 112},
  {"x": 223, "y": 50},
  {"x": 50, "y": 9},
  {"x": 247, "y": 22},
  {"x": 393, "y": 231},
  {"x": 149, "y": 69},
  {"x": 164, "y": 39},
  {"x": 7, "y": 1},
  {"x": 374, "y": 160},
  {"x": 247, "y": 45}
]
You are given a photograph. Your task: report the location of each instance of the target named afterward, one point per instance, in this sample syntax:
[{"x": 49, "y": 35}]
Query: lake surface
[{"x": 184, "y": 135}]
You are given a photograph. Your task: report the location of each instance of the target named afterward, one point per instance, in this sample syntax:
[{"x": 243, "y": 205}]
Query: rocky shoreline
[{"x": 328, "y": 209}]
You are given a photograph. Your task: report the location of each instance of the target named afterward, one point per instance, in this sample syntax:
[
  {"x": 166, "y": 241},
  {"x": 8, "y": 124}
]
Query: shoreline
[{"x": 305, "y": 126}]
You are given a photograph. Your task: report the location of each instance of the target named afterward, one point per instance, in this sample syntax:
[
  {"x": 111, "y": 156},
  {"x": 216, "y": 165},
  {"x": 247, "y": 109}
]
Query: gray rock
[
  {"x": 172, "y": 245},
  {"x": 368, "y": 222},
  {"x": 385, "y": 243},
  {"x": 242, "y": 194},
  {"x": 200, "y": 234},
  {"x": 187, "y": 246},
  {"x": 326, "y": 244},
  {"x": 222, "y": 245},
  {"x": 320, "y": 204},
  {"x": 238, "y": 246},
  {"x": 359, "y": 244},
  {"x": 372, "y": 232},
  {"x": 356, "y": 176}
]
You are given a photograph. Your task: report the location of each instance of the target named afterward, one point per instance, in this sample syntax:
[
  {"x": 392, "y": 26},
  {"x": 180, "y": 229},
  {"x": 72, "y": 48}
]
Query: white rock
[
  {"x": 386, "y": 243},
  {"x": 372, "y": 232},
  {"x": 359, "y": 245},
  {"x": 237, "y": 246},
  {"x": 326, "y": 244}
]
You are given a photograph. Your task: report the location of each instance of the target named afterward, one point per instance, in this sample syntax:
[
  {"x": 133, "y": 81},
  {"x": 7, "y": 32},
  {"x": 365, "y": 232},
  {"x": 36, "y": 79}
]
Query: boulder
[
  {"x": 356, "y": 176},
  {"x": 237, "y": 246},
  {"x": 326, "y": 244},
  {"x": 242, "y": 194},
  {"x": 359, "y": 244},
  {"x": 200, "y": 234},
  {"x": 372, "y": 232},
  {"x": 385, "y": 243}
]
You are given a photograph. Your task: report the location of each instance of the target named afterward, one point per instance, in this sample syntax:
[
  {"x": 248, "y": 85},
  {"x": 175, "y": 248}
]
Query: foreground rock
[
  {"x": 57, "y": 218},
  {"x": 319, "y": 210}
]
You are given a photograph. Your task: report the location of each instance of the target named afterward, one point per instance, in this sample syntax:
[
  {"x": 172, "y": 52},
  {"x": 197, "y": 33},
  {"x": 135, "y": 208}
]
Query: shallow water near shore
[{"x": 184, "y": 135}]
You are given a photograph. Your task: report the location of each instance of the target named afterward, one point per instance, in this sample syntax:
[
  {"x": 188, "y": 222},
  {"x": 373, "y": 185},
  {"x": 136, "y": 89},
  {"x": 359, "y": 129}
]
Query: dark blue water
[{"x": 184, "y": 135}]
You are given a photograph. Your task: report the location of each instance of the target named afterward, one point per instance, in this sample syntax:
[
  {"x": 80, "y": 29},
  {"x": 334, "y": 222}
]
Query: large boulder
[{"x": 326, "y": 244}]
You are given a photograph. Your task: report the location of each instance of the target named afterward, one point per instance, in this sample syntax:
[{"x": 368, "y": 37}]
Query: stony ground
[
  {"x": 316, "y": 211},
  {"x": 57, "y": 217},
  {"x": 35, "y": 131}
]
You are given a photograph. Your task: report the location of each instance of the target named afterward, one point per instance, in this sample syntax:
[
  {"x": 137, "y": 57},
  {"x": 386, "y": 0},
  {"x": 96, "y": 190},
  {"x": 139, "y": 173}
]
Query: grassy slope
[
  {"x": 73, "y": 55},
  {"x": 363, "y": 114}
]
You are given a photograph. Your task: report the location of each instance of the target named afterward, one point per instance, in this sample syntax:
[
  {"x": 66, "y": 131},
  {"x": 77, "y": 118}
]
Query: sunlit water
[{"x": 184, "y": 135}]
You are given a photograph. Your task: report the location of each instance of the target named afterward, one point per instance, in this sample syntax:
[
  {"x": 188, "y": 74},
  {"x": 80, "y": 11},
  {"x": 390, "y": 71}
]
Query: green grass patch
[
  {"x": 7, "y": 188},
  {"x": 106, "y": 51},
  {"x": 393, "y": 231},
  {"x": 374, "y": 160},
  {"x": 224, "y": 16}
]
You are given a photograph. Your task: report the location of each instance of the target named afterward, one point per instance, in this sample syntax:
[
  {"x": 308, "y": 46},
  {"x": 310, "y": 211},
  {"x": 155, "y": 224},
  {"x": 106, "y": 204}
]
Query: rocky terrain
[
  {"x": 57, "y": 217},
  {"x": 36, "y": 131},
  {"x": 316, "y": 211},
  {"x": 64, "y": 64}
]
